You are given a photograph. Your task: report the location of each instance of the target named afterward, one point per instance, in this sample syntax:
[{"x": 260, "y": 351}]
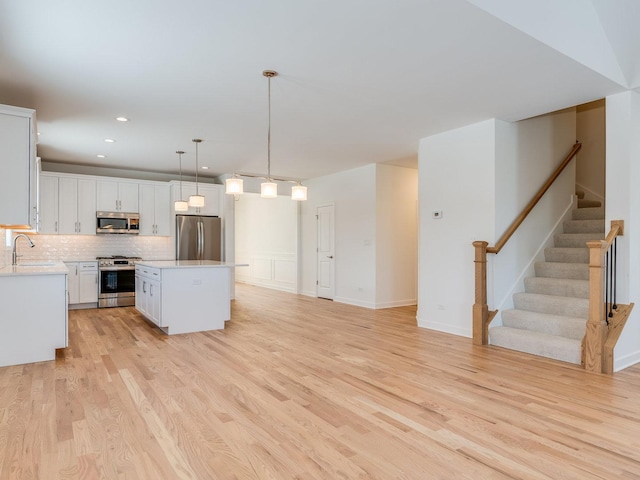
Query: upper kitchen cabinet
[
  {"x": 212, "y": 197},
  {"x": 18, "y": 183},
  {"x": 155, "y": 209},
  {"x": 76, "y": 206},
  {"x": 48, "y": 208},
  {"x": 117, "y": 196}
]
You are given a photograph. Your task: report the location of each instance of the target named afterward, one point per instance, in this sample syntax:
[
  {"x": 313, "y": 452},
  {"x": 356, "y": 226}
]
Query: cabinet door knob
[{"x": 329, "y": 256}]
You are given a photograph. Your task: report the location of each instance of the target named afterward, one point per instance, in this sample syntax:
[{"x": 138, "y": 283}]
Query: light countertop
[
  {"x": 189, "y": 264},
  {"x": 42, "y": 267}
]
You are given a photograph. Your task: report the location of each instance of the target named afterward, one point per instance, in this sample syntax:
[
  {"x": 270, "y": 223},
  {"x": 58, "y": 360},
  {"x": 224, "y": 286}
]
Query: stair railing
[
  {"x": 596, "y": 357},
  {"x": 482, "y": 316}
]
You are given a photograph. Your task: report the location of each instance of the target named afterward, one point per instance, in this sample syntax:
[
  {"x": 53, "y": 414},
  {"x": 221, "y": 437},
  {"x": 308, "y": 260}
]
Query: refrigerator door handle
[{"x": 200, "y": 240}]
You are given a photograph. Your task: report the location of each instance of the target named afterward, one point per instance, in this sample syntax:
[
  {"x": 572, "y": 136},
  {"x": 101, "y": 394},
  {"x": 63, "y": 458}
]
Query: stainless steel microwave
[{"x": 117, "y": 222}]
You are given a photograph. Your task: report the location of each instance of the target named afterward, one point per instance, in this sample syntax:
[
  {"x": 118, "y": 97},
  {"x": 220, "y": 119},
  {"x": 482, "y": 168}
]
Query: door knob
[{"x": 329, "y": 256}]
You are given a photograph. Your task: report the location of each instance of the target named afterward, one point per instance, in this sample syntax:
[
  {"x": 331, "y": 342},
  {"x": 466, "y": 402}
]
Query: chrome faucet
[{"x": 15, "y": 240}]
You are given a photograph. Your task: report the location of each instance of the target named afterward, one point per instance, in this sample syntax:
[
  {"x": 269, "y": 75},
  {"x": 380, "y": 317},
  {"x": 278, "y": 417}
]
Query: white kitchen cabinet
[
  {"x": 117, "y": 196},
  {"x": 83, "y": 283},
  {"x": 76, "y": 206},
  {"x": 19, "y": 179},
  {"x": 155, "y": 209},
  {"x": 88, "y": 282},
  {"x": 184, "y": 296},
  {"x": 34, "y": 317},
  {"x": 72, "y": 286},
  {"x": 48, "y": 218},
  {"x": 212, "y": 197},
  {"x": 149, "y": 293}
]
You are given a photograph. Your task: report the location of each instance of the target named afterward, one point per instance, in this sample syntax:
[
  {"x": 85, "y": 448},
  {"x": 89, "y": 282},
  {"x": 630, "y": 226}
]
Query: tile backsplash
[{"x": 88, "y": 247}]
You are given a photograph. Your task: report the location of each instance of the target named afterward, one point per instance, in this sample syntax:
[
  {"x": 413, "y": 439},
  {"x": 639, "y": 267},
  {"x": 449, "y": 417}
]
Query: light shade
[
  {"x": 196, "y": 201},
  {"x": 181, "y": 206},
  {"x": 298, "y": 192},
  {"x": 234, "y": 186},
  {"x": 268, "y": 190}
]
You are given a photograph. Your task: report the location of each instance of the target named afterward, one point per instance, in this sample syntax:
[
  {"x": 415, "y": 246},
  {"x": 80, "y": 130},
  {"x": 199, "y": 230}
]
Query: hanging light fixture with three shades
[{"x": 268, "y": 188}]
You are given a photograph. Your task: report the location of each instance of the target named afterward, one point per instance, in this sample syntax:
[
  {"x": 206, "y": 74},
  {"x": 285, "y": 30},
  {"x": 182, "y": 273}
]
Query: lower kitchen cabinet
[
  {"x": 83, "y": 284},
  {"x": 184, "y": 296},
  {"x": 34, "y": 317},
  {"x": 149, "y": 293}
]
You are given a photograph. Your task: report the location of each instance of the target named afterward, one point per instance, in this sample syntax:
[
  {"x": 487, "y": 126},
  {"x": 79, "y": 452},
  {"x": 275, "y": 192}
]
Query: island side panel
[
  {"x": 195, "y": 299},
  {"x": 34, "y": 313}
]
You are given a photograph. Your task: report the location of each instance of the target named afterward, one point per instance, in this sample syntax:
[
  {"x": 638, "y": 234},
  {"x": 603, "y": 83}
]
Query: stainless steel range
[{"x": 117, "y": 281}]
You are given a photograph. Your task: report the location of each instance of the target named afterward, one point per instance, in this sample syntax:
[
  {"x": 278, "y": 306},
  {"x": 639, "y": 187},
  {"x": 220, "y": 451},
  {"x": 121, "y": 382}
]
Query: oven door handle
[{"x": 116, "y": 269}]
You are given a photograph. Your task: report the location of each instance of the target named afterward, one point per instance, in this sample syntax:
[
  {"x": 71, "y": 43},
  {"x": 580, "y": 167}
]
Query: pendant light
[
  {"x": 196, "y": 200},
  {"x": 234, "y": 185},
  {"x": 269, "y": 189},
  {"x": 181, "y": 205},
  {"x": 299, "y": 192}
]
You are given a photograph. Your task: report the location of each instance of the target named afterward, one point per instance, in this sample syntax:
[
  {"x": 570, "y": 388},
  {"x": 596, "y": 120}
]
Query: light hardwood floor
[{"x": 301, "y": 388}]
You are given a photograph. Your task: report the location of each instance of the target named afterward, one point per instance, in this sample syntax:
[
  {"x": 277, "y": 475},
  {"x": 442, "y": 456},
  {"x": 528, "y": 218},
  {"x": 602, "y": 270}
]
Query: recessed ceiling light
[
  {"x": 109, "y": 140},
  {"x": 205, "y": 168},
  {"x": 122, "y": 119},
  {"x": 101, "y": 156}
]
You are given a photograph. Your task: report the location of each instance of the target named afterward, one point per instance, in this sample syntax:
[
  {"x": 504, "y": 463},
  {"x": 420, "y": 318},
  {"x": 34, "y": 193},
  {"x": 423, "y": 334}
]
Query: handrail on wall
[
  {"x": 481, "y": 314},
  {"x": 534, "y": 201}
]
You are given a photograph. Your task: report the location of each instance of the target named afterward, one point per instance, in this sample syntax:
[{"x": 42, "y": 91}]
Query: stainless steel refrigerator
[{"x": 198, "y": 238}]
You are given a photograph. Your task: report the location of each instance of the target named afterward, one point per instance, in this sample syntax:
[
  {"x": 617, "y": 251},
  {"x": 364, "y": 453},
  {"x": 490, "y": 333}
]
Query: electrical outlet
[{"x": 436, "y": 214}]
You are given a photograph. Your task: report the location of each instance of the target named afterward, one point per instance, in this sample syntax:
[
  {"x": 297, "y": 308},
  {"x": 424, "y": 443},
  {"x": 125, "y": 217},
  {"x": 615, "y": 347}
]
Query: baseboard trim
[
  {"x": 309, "y": 293},
  {"x": 444, "y": 327},
  {"x": 626, "y": 361},
  {"x": 397, "y": 303},
  {"x": 357, "y": 303},
  {"x": 272, "y": 286}
]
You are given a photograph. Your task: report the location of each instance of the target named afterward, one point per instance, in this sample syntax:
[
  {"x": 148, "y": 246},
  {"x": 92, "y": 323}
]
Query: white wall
[
  {"x": 481, "y": 177},
  {"x": 590, "y": 131},
  {"x": 527, "y": 153},
  {"x": 623, "y": 202},
  {"x": 354, "y": 197},
  {"x": 396, "y": 236},
  {"x": 456, "y": 177},
  {"x": 266, "y": 237}
]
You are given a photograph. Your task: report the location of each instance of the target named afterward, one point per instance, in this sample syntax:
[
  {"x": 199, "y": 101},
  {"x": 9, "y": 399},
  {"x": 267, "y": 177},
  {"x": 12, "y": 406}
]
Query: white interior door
[{"x": 326, "y": 252}]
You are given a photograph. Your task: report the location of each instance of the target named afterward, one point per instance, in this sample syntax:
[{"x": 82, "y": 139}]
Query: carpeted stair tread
[
  {"x": 550, "y": 346},
  {"x": 584, "y": 226},
  {"x": 570, "y": 327},
  {"x": 593, "y": 213},
  {"x": 552, "y": 304},
  {"x": 575, "y": 271},
  {"x": 563, "y": 287},
  {"x": 549, "y": 318},
  {"x": 576, "y": 240},
  {"x": 582, "y": 203},
  {"x": 567, "y": 254}
]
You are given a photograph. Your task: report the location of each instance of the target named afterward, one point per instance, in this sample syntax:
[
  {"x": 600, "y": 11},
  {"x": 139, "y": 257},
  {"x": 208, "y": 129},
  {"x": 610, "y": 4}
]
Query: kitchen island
[
  {"x": 34, "y": 312},
  {"x": 185, "y": 296}
]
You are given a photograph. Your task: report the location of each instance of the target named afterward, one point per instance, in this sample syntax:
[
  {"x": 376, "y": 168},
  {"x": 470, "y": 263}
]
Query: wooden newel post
[
  {"x": 596, "y": 332},
  {"x": 480, "y": 307}
]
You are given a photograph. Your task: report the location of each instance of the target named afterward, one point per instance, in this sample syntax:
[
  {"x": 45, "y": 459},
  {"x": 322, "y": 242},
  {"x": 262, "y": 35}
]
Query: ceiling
[{"x": 360, "y": 81}]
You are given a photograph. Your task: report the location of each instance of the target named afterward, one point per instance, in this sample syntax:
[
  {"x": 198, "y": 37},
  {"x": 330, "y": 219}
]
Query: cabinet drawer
[
  {"x": 148, "y": 272},
  {"x": 88, "y": 266}
]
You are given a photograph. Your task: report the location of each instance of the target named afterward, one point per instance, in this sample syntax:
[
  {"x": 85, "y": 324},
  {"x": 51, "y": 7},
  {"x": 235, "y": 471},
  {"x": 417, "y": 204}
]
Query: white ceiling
[{"x": 361, "y": 81}]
